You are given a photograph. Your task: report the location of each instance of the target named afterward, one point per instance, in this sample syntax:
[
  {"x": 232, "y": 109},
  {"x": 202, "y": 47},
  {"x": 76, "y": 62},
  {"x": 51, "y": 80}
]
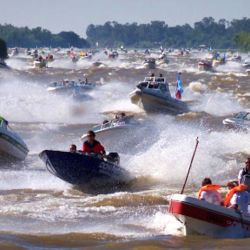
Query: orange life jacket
[
  {"x": 209, "y": 187},
  {"x": 232, "y": 191}
]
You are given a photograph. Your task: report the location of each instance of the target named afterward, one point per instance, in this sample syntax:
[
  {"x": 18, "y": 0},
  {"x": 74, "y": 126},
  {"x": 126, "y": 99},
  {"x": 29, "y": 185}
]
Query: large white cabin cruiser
[{"x": 153, "y": 95}]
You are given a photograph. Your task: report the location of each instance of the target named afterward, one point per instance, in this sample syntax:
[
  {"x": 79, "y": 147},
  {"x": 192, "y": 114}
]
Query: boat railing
[
  {"x": 109, "y": 124},
  {"x": 155, "y": 79},
  {"x": 154, "y": 82}
]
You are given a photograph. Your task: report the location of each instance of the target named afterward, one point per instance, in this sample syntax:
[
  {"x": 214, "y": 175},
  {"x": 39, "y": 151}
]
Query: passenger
[
  {"x": 208, "y": 192},
  {"x": 92, "y": 145},
  {"x": 244, "y": 174},
  {"x": 123, "y": 115},
  {"x": 73, "y": 148},
  {"x": 237, "y": 197},
  {"x": 152, "y": 76},
  {"x": 105, "y": 122}
]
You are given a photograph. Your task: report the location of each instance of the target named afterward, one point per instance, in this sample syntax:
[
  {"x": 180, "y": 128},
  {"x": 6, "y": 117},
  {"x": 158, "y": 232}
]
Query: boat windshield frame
[
  {"x": 155, "y": 83},
  {"x": 110, "y": 124}
]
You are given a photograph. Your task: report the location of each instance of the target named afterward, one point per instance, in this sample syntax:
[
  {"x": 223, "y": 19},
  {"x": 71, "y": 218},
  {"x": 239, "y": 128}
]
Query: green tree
[{"x": 3, "y": 49}]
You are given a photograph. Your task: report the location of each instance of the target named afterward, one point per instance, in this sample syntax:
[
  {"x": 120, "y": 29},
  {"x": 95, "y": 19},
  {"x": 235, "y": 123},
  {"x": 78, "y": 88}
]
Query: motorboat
[
  {"x": 50, "y": 58},
  {"x": 11, "y": 144},
  {"x": 85, "y": 169},
  {"x": 162, "y": 59},
  {"x": 202, "y": 218},
  {"x": 85, "y": 56},
  {"x": 239, "y": 121},
  {"x": 153, "y": 95},
  {"x": 149, "y": 63},
  {"x": 218, "y": 60},
  {"x": 234, "y": 58},
  {"x": 205, "y": 65},
  {"x": 3, "y": 64},
  {"x": 119, "y": 125},
  {"x": 97, "y": 64},
  {"x": 113, "y": 55},
  {"x": 14, "y": 52},
  {"x": 246, "y": 64},
  {"x": 39, "y": 64},
  {"x": 69, "y": 85}
]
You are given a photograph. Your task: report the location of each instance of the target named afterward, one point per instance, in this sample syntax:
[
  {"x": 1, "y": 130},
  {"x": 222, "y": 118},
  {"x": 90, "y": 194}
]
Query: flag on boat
[{"x": 179, "y": 87}]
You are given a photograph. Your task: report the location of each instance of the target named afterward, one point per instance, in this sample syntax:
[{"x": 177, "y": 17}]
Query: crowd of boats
[
  {"x": 91, "y": 165},
  {"x": 152, "y": 59}
]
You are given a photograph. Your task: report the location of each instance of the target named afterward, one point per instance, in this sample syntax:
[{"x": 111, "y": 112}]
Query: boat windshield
[
  {"x": 109, "y": 124},
  {"x": 158, "y": 83},
  {"x": 241, "y": 115},
  {"x": 3, "y": 123}
]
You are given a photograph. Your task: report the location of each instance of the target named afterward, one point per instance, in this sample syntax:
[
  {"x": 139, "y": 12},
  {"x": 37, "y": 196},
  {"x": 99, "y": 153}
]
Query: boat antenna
[{"x": 190, "y": 165}]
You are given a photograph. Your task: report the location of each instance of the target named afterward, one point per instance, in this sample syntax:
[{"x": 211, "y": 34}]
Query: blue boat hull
[{"x": 79, "y": 169}]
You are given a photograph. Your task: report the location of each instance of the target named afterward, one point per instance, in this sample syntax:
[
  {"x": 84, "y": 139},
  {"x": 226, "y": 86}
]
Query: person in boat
[
  {"x": 237, "y": 197},
  {"x": 209, "y": 192},
  {"x": 73, "y": 148},
  {"x": 152, "y": 76},
  {"x": 244, "y": 174},
  {"x": 161, "y": 79},
  {"x": 122, "y": 117},
  {"x": 92, "y": 145}
]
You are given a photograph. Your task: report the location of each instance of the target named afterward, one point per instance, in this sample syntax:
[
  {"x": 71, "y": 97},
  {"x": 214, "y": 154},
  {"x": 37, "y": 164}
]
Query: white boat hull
[
  {"x": 202, "y": 218},
  {"x": 11, "y": 148},
  {"x": 151, "y": 103}
]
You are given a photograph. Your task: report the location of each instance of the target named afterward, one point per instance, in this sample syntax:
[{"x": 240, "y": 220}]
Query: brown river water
[{"x": 40, "y": 211}]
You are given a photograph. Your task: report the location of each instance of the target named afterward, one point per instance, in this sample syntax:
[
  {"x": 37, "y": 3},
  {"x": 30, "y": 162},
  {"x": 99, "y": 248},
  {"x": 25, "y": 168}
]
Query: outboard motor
[{"x": 114, "y": 158}]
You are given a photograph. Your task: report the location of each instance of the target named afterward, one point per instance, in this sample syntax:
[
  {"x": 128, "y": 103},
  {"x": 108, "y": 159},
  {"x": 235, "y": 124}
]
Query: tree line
[
  {"x": 3, "y": 50},
  {"x": 221, "y": 34},
  {"x": 38, "y": 37}
]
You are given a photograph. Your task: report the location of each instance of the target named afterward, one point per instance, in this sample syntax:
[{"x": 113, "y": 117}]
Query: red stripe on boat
[{"x": 201, "y": 213}]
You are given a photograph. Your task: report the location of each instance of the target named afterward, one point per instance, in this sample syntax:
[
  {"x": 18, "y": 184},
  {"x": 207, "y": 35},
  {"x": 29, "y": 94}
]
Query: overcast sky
[{"x": 76, "y": 15}]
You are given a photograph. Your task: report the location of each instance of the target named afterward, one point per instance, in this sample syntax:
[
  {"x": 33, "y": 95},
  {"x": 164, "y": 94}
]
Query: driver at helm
[{"x": 92, "y": 145}]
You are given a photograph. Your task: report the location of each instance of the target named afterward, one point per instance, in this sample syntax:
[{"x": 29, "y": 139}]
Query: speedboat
[
  {"x": 239, "y": 121},
  {"x": 205, "y": 65},
  {"x": 11, "y": 144},
  {"x": 234, "y": 58},
  {"x": 149, "y": 63},
  {"x": 113, "y": 55},
  {"x": 218, "y": 61},
  {"x": 3, "y": 64},
  {"x": 38, "y": 64},
  {"x": 202, "y": 218},
  {"x": 153, "y": 95},
  {"x": 162, "y": 59},
  {"x": 119, "y": 125},
  {"x": 67, "y": 85},
  {"x": 246, "y": 64},
  {"x": 97, "y": 64},
  {"x": 82, "y": 169}
]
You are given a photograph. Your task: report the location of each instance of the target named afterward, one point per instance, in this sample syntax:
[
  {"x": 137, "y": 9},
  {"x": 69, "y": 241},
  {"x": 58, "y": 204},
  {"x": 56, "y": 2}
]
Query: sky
[{"x": 76, "y": 15}]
